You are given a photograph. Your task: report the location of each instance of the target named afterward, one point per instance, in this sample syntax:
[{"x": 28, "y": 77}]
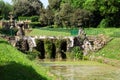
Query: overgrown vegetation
[{"x": 10, "y": 32}]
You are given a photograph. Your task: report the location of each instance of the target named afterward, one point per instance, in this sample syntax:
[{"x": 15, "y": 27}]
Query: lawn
[
  {"x": 113, "y": 32},
  {"x": 15, "y": 65},
  {"x": 40, "y": 32}
]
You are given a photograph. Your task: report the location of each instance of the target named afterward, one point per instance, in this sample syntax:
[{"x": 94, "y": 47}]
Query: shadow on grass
[
  {"x": 5, "y": 42},
  {"x": 15, "y": 71}
]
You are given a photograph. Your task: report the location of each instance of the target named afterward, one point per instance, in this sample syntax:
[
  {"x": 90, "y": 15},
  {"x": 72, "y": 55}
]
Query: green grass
[
  {"x": 39, "y": 32},
  {"x": 113, "y": 32},
  {"x": 111, "y": 50},
  {"x": 15, "y": 65}
]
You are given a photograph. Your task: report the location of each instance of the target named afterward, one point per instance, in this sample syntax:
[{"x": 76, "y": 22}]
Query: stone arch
[
  {"x": 53, "y": 51},
  {"x": 40, "y": 48},
  {"x": 63, "y": 49}
]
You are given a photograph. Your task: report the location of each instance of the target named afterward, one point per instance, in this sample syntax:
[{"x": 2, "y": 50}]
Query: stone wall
[{"x": 60, "y": 45}]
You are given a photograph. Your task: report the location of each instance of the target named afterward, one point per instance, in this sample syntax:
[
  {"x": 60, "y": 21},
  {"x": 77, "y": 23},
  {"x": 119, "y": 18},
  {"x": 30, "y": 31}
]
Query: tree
[
  {"x": 47, "y": 17},
  {"x": 104, "y": 9},
  {"x": 74, "y": 3},
  {"x": 27, "y": 7},
  {"x": 81, "y": 18},
  {"x": 5, "y": 8},
  {"x": 54, "y": 4},
  {"x": 2, "y": 5},
  {"x": 63, "y": 16}
]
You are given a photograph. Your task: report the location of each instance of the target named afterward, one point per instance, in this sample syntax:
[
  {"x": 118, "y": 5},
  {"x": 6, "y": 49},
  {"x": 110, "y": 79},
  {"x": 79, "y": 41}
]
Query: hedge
[
  {"x": 1, "y": 17},
  {"x": 24, "y": 18},
  {"x": 34, "y": 18},
  {"x": 34, "y": 24}
]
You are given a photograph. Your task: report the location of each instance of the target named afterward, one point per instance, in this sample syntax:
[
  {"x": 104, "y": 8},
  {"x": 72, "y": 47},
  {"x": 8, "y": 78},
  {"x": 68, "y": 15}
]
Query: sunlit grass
[
  {"x": 113, "y": 32},
  {"x": 15, "y": 65},
  {"x": 111, "y": 50},
  {"x": 39, "y": 32}
]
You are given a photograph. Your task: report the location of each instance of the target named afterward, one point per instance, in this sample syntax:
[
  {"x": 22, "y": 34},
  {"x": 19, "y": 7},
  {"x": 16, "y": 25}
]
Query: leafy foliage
[
  {"x": 77, "y": 53},
  {"x": 47, "y": 17},
  {"x": 5, "y": 8},
  {"x": 54, "y": 4},
  {"x": 27, "y": 7},
  {"x": 34, "y": 18},
  {"x": 49, "y": 49},
  {"x": 23, "y": 18},
  {"x": 35, "y": 24}
]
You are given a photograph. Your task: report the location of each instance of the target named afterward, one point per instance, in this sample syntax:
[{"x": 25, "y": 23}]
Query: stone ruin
[
  {"x": 91, "y": 43},
  {"x": 86, "y": 43}
]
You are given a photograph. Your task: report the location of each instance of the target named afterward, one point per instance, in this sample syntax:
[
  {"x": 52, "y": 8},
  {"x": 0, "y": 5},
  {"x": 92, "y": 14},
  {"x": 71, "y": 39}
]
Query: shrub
[
  {"x": 34, "y": 18},
  {"x": 1, "y": 17},
  {"x": 34, "y": 24},
  {"x": 23, "y": 18},
  {"x": 11, "y": 32},
  {"x": 32, "y": 55},
  {"x": 77, "y": 53},
  {"x": 104, "y": 23}
]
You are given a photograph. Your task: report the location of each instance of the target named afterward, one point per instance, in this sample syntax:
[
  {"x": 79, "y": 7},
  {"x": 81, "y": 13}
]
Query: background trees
[
  {"x": 105, "y": 11},
  {"x": 5, "y": 8},
  {"x": 68, "y": 13},
  {"x": 27, "y": 7}
]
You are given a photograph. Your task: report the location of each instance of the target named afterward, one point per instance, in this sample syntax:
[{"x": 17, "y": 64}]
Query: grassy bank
[
  {"x": 14, "y": 65},
  {"x": 111, "y": 50}
]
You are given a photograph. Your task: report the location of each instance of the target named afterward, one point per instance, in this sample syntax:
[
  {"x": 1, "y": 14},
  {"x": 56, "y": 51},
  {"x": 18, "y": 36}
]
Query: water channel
[{"x": 83, "y": 71}]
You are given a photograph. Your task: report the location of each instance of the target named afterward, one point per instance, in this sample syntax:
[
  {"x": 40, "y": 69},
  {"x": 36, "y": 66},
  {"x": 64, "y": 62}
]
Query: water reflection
[{"x": 84, "y": 72}]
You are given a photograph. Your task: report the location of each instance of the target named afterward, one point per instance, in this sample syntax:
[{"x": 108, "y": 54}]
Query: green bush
[
  {"x": 32, "y": 55},
  {"x": 11, "y": 32},
  {"x": 34, "y": 18},
  {"x": 77, "y": 53},
  {"x": 24, "y": 18},
  {"x": 1, "y": 17},
  {"x": 104, "y": 23},
  {"x": 35, "y": 24}
]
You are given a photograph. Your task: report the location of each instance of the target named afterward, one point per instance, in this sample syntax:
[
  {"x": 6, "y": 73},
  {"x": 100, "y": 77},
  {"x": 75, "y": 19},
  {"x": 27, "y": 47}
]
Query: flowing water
[{"x": 83, "y": 72}]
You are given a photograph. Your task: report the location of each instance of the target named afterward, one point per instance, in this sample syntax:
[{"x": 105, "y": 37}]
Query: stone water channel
[{"x": 82, "y": 71}]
